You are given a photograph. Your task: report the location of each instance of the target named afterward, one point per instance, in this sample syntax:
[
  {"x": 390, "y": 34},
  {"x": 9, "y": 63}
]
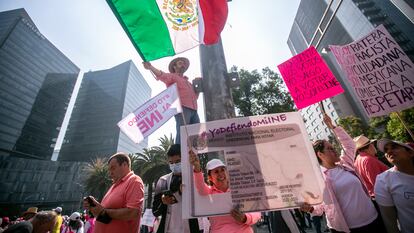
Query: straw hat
[
  {"x": 31, "y": 210},
  {"x": 382, "y": 142},
  {"x": 172, "y": 63},
  {"x": 362, "y": 141}
]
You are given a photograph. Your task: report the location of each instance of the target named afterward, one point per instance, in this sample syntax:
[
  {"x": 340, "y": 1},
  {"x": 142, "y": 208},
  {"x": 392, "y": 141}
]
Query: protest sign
[
  {"x": 308, "y": 78},
  {"x": 269, "y": 159},
  {"x": 151, "y": 115},
  {"x": 148, "y": 218},
  {"x": 380, "y": 72}
]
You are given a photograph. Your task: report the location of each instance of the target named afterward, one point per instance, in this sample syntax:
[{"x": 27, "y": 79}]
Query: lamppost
[{"x": 82, "y": 193}]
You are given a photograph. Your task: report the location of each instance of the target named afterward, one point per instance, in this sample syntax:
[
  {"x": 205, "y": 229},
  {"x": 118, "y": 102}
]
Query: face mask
[{"x": 175, "y": 168}]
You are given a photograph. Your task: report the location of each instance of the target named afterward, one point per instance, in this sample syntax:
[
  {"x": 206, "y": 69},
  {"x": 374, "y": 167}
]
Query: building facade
[
  {"x": 37, "y": 81},
  {"x": 105, "y": 97},
  {"x": 321, "y": 23}
]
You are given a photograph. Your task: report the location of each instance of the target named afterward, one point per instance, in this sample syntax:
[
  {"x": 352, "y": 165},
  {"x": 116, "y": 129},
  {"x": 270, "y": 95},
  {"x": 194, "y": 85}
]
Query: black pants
[
  {"x": 316, "y": 220},
  {"x": 375, "y": 227}
]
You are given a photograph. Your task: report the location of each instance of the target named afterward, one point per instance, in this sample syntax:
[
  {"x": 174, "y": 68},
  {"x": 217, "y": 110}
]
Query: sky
[{"x": 87, "y": 32}]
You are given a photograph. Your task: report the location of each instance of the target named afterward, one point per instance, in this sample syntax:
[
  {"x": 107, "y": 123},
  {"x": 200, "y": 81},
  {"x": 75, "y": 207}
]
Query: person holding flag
[{"x": 188, "y": 97}]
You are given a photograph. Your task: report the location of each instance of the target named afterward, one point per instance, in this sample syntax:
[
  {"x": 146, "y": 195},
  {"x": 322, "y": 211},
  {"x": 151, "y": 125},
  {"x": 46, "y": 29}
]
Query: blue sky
[{"x": 88, "y": 33}]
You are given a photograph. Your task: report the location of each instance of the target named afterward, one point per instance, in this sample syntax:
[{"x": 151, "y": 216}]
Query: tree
[
  {"x": 97, "y": 180},
  {"x": 389, "y": 126},
  {"x": 151, "y": 164},
  {"x": 379, "y": 124},
  {"x": 261, "y": 93},
  {"x": 355, "y": 127},
  {"x": 395, "y": 127}
]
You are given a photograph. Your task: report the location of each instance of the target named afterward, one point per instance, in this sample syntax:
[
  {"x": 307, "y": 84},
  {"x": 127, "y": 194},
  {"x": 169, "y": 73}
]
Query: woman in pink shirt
[
  {"x": 346, "y": 202},
  {"x": 236, "y": 222}
]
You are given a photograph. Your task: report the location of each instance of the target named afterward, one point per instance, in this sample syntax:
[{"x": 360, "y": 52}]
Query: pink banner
[
  {"x": 380, "y": 72},
  {"x": 308, "y": 78}
]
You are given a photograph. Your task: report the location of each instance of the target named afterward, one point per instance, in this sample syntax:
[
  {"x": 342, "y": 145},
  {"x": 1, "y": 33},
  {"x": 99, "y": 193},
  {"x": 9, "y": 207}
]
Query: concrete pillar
[{"x": 218, "y": 102}]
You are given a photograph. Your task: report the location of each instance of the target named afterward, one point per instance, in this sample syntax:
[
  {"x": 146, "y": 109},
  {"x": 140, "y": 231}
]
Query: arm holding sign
[
  {"x": 237, "y": 216},
  {"x": 202, "y": 188},
  {"x": 348, "y": 145}
]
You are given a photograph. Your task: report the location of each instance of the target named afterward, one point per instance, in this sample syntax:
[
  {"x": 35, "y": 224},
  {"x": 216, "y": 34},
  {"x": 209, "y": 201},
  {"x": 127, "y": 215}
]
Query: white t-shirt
[
  {"x": 394, "y": 188},
  {"x": 352, "y": 198},
  {"x": 176, "y": 222}
]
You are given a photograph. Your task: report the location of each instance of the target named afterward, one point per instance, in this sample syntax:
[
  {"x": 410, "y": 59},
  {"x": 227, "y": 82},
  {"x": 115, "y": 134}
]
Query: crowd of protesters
[
  {"x": 48, "y": 221},
  {"x": 361, "y": 193}
]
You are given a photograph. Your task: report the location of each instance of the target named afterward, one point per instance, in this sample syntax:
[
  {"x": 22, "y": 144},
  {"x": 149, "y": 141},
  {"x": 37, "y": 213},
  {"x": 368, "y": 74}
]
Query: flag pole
[
  {"x": 405, "y": 125},
  {"x": 331, "y": 130}
]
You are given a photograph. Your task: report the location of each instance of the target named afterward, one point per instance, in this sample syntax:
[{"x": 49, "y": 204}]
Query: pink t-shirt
[
  {"x": 225, "y": 224},
  {"x": 126, "y": 193},
  {"x": 186, "y": 92},
  {"x": 368, "y": 168}
]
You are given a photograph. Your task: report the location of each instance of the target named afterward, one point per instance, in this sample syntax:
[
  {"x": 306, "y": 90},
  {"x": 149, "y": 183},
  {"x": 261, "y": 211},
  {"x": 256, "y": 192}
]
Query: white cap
[
  {"x": 382, "y": 142},
  {"x": 74, "y": 216},
  {"x": 214, "y": 163},
  {"x": 58, "y": 209}
]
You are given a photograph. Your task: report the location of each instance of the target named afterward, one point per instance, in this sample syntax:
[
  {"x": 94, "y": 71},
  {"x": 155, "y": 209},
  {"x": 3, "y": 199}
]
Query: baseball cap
[
  {"x": 214, "y": 163},
  {"x": 74, "y": 216},
  {"x": 58, "y": 209}
]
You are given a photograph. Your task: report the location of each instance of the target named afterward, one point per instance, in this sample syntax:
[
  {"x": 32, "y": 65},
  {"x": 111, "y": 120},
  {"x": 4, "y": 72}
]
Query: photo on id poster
[{"x": 269, "y": 161}]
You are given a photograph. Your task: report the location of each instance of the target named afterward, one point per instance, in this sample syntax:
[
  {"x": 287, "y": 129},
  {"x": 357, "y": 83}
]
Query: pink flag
[{"x": 308, "y": 78}]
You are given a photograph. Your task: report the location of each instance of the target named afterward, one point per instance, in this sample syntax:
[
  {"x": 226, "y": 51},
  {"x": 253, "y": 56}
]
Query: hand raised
[
  {"x": 195, "y": 161},
  {"x": 147, "y": 65}
]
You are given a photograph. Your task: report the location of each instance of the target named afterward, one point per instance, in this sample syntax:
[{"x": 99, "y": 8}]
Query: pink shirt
[
  {"x": 368, "y": 167},
  {"x": 334, "y": 215},
  {"x": 224, "y": 224},
  {"x": 126, "y": 193},
  {"x": 186, "y": 92}
]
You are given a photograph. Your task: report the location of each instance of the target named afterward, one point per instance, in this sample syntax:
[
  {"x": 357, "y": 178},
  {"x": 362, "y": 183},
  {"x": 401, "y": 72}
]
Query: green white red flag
[{"x": 161, "y": 28}]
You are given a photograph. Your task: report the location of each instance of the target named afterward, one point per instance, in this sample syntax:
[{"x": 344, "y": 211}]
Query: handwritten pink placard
[
  {"x": 308, "y": 78},
  {"x": 380, "y": 72}
]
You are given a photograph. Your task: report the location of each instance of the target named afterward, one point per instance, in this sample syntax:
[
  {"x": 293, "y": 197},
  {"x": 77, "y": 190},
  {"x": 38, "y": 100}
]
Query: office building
[
  {"x": 344, "y": 22},
  {"x": 37, "y": 81},
  {"x": 105, "y": 97}
]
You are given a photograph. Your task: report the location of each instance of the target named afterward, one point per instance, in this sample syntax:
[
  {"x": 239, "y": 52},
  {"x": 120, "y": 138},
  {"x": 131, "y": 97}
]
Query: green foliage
[
  {"x": 260, "y": 93},
  {"x": 379, "y": 124},
  {"x": 151, "y": 164},
  {"x": 381, "y": 127},
  {"x": 353, "y": 125},
  {"x": 97, "y": 180},
  {"x": 397, "y": 130}
]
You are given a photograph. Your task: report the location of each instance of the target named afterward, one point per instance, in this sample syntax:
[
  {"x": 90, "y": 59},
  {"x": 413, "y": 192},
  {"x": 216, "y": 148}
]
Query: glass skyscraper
[
  {"x": 105, "y": 97},
  {"x": 37, "y": 81},
  {"x": 314, "y": 25}
]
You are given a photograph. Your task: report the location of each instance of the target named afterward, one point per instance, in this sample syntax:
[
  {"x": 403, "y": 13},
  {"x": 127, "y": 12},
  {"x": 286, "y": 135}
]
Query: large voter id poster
[{"x": 269, "y": 160}]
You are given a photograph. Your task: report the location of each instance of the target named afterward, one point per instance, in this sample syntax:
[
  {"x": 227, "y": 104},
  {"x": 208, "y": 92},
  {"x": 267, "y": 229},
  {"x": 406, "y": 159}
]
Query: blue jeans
[{"x": 191, "y": 117}]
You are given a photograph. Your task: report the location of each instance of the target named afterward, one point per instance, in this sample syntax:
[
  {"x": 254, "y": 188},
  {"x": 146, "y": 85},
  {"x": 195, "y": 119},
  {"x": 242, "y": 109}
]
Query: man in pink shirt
[
  {"x": 121, "y": 207},
  {"x": 188, "y": 97},
  {"x": 366, "y": 163}
]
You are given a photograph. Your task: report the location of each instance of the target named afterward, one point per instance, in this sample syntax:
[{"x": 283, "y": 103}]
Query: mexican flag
[{"x": 161, "y": 28}]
